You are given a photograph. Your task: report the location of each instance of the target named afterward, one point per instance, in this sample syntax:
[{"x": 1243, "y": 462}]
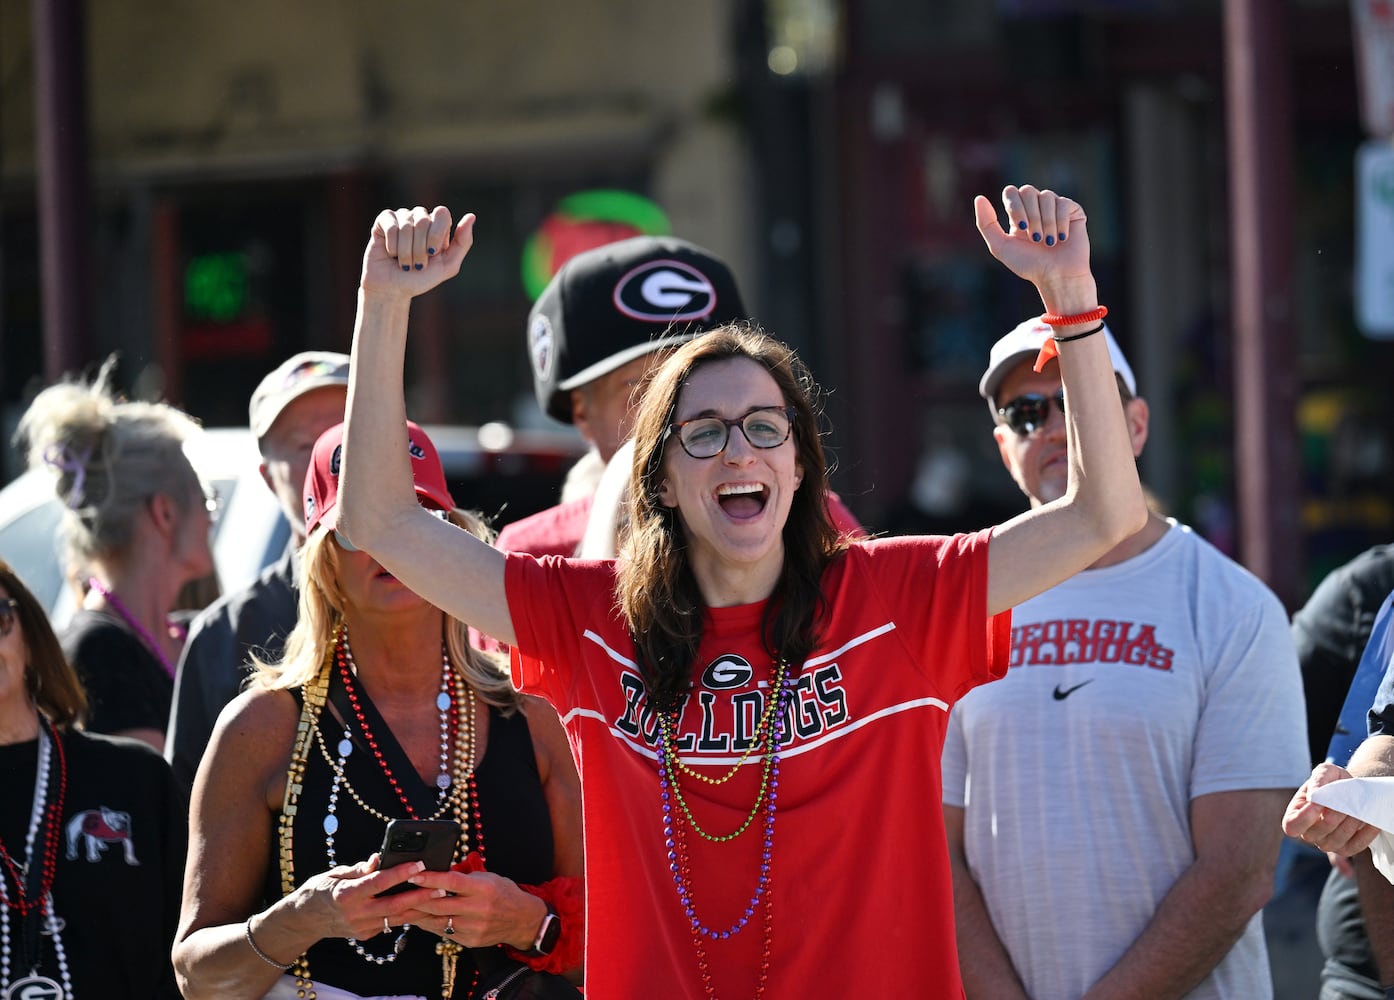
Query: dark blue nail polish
[
  {"x": 1062, "y": 237},
  {"x": 431, "y": 251},
  {"x": 1050, "y": 241},
  {"x": 1021, "y": 225},
  {"x": 1036, "y": 237},
  {"x": 406, "y": 267},
  {"x": 419, "y": 266}
]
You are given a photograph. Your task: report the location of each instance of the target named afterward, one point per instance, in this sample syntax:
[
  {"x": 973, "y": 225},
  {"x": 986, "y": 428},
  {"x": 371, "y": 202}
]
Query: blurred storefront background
[{"x": 233, "y": 159}]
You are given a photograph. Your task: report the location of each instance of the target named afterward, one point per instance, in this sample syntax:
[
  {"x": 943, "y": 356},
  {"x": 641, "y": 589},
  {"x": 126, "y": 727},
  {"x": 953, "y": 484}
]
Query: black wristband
[{"x": 1079, "y": 336}]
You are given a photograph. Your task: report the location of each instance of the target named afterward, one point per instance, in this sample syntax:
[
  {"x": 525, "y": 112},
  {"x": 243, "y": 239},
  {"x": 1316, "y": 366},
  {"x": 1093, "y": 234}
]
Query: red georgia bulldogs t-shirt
[{"x": 863, "y": 903}]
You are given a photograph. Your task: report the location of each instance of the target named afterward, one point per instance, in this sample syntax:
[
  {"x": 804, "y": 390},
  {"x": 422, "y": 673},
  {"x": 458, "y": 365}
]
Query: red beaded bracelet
[{"x": 1050, "y": 319}]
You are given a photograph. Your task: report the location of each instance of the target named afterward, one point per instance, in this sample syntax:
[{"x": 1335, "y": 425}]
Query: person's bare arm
[
  {"x": 1376, "y": 896},
  {"x": 378, "y": 511},
  {"x": 230, "y": 848},
  {"x": 988, "y": 973},
  {"x": 1103, "y": 503},
  {"x": 561, "y": 786},
  {"x": 155, "y": 737},
  {"x": 1236, "y": 842}
]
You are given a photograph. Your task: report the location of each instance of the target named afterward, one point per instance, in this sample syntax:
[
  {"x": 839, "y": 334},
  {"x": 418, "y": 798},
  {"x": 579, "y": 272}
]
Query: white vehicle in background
[{"x": 505, "y": 473}]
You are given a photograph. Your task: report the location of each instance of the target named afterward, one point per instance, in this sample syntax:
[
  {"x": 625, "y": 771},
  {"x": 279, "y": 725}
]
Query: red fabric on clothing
[
  {"x": 859, "y": 865},
  {"x": 566, "y": 895},
  {"x": 555, "y": 531}
]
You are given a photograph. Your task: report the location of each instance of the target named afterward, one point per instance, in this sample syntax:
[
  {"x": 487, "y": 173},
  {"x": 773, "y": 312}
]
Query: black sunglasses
[
  {"x": 9, "y": 614},
  {"x": 1028, "y": 413}
]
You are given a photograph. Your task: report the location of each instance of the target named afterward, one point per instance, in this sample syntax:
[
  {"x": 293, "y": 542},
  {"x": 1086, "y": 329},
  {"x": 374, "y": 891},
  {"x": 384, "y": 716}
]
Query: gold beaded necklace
[
  {"x": 770, "y": 732},
  {"x": 463, "y": 795}
]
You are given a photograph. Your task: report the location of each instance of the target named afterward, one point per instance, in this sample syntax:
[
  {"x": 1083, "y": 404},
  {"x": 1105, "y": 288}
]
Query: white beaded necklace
[
  {"x": 22, "y": 987},
  {"x": 462, "y": 797},
  {"x": 443, "y": 782}
]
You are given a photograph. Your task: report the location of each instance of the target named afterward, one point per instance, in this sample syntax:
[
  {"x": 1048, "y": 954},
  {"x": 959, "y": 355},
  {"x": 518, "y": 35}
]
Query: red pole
[
  {"x": 60, "y": 80},
  {"x": 1260, "y": 137}
]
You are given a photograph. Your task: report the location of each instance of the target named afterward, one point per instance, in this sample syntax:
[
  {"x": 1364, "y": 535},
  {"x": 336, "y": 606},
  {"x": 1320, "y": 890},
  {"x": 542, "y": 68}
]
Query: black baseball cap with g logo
[{"x": 618, "y": 302}]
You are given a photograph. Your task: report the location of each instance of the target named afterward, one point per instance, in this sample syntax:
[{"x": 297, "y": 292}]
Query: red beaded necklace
[
  {"x": 463, "y": 793},
  {"x": 50, "y": 827},
  {"x": 344, "y": 659}
]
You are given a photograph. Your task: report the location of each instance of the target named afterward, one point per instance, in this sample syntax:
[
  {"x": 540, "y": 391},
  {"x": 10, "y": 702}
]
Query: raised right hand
[
  {"x": 1046, "y": 241},
  {"x": 412, "y": 251}
]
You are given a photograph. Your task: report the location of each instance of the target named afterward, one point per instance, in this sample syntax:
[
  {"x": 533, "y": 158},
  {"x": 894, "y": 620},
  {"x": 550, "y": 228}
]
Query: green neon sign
[{"x": 215, "y": 287}]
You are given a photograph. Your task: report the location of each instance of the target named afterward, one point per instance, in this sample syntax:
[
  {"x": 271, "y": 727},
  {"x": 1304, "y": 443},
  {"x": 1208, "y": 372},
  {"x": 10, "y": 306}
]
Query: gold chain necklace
[
  {"x": 461, "y": 796},
  {"x": 674, "y": 763},
  {"x": 761, "y": 730}
]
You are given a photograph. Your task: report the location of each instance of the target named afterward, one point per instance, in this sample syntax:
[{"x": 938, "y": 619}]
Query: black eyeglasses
[
  {"x": 763, "y": 427},
  {"x": 9, "y": 614},
  {"x": 1028, "y": 414}
]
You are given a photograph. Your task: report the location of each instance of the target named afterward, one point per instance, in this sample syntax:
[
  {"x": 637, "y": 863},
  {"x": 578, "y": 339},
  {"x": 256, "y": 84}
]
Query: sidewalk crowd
[{"x": 694, "y": 731}]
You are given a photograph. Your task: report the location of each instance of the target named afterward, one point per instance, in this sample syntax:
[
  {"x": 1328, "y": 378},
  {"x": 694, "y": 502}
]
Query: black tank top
[{"x": 517, "y": 838}]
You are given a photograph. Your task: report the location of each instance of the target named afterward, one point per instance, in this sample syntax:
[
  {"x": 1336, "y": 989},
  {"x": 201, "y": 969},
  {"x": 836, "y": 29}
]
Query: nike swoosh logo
[{"x": 1060, "y": 694}]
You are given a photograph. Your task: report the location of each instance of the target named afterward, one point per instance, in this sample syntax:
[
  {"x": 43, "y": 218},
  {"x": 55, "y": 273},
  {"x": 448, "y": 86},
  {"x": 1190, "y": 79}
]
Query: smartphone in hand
[{"x": 428, "y": 840}]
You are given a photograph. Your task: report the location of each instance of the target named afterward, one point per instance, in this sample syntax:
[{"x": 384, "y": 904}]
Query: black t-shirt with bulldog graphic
[{"x": 120, "y": 864}]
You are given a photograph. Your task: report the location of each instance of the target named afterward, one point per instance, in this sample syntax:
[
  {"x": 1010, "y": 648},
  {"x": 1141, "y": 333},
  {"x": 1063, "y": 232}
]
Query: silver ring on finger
[
  {"x": 386, "y": 927},
  {"x": 450, "y": 924}
]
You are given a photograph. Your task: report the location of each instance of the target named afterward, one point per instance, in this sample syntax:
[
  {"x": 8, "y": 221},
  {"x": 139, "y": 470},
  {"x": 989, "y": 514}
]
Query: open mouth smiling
[{"x": 742, "y": 501}]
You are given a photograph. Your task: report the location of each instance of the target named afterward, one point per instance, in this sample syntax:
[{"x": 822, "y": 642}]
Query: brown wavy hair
[
  {"x": 49, "y": 679},
  {"x": 656, "y": 591}
]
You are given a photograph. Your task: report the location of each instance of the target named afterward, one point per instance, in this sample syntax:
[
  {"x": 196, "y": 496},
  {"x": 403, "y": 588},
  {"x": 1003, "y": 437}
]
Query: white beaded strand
[
  {"x": 443, "y": 779},
  {"x": 443, "y": 783},
  {"x": 4, "y": 939},
  {"x": 35, "y": 818},
  {"x": 53, "y": 924},
  {"x": 36, "y": 814},
  {"x": 331, "y": 827}
]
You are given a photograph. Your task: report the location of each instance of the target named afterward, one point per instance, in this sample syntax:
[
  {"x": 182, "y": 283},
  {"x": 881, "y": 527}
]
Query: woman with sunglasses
[
  {"x": 758, "y": 706},
  {"x": 380, "y": 710},
  {"x": 136, "y": 529},
  {"x": 91, "y": 833}
]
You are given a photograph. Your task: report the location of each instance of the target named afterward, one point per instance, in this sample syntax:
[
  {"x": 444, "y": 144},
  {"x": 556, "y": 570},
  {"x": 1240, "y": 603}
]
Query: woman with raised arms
[{"x": 757, "y": 706}]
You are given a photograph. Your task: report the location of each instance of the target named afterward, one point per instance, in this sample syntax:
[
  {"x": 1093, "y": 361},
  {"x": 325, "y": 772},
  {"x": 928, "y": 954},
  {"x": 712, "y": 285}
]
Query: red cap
[{"x": 322, "y": 477}]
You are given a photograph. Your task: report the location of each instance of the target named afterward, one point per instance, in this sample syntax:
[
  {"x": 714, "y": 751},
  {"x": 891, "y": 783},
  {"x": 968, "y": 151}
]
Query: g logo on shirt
[
  {"x": 34, "y": 987},
  {"x": 727, "y": 671}
]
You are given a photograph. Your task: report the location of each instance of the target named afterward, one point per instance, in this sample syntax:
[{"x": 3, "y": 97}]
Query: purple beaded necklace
[{"x": 130, "y": 620}]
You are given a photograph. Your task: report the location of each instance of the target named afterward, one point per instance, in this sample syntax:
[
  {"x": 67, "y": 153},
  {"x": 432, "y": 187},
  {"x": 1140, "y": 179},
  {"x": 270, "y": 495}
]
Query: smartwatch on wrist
[{"x": 547, "y": 935}]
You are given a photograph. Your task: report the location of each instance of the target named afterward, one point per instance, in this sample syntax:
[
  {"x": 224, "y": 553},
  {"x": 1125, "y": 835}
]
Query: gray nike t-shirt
[{"x": 1132, "y": 690}]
